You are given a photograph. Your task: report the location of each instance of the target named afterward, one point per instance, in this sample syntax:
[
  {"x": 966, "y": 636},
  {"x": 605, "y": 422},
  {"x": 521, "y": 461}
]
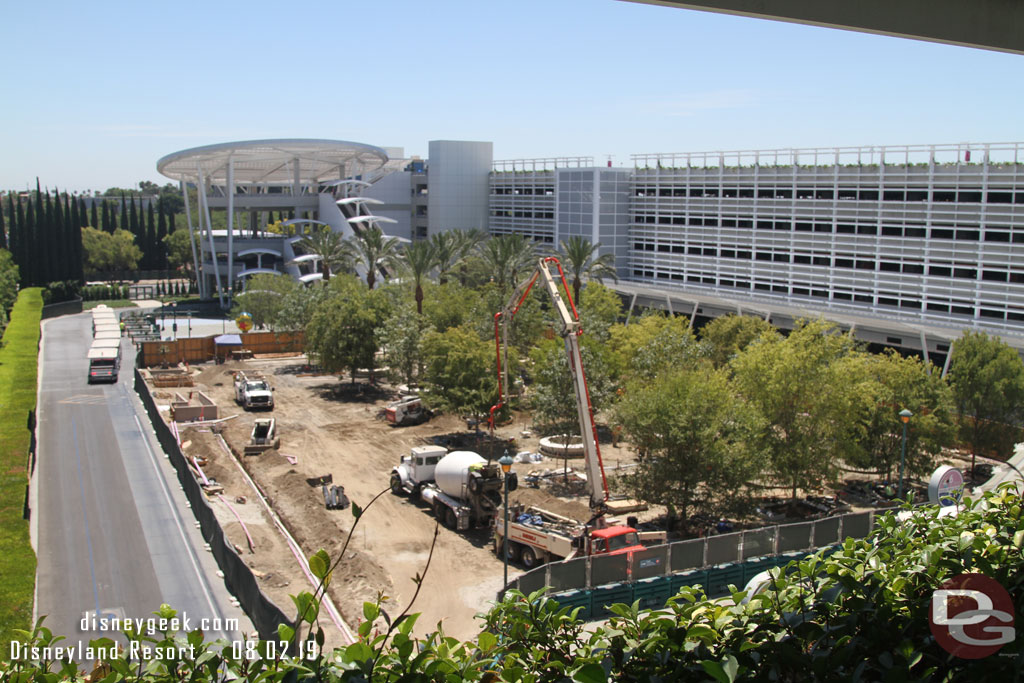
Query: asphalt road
[{"x": 110, "y": 524}]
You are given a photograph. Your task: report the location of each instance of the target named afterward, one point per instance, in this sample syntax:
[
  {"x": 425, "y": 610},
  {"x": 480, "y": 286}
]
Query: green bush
[
  {"x": 63, "y": 290},
  {"x": 858, "y": 613},
  {"x": 18, "y": 358}
]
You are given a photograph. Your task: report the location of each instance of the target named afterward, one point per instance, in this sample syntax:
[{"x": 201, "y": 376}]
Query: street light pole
[
  {"x": 506, "y": 464},
  {"x": 905, "y": 415}
]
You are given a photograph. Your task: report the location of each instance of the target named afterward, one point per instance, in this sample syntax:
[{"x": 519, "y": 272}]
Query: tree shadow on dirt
[{"x": 347, "y": 392}]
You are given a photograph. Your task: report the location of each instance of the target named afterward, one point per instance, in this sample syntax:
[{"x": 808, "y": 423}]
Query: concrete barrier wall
[
  {"x": 265, "y": 615},
  {"x": 63, "y": 308}
]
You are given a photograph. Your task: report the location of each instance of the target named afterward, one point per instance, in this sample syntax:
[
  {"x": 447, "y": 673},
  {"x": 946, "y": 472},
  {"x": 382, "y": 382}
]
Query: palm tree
[
  {"x": 418, "y": 259},
  {"x": 581, "y": 261},
  {"x": 334, "y": 252},
  {"x": 374, "y": 250},
  {"x": 505, "y": 257},
  {"x": 447, "y": 252}
]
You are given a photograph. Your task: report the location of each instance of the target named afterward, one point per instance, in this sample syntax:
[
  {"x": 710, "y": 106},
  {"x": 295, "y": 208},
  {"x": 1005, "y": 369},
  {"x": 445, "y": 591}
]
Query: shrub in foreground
[{"x": 861, "y": 613}]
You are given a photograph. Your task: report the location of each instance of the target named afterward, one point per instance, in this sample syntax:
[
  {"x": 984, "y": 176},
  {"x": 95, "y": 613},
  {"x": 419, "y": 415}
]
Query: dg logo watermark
[{"x": 972, "y": 616}]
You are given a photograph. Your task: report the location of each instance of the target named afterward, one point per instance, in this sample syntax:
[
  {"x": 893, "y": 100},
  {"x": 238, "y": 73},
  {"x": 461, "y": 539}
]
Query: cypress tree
[
  {"x": 12, "y": 218},
  {"x": 27, "y": 265},
  {"x": 45, "y": 236},
  {"x": 3, "y": 229},
  {"x": 75, "y": 209},
  {"x": 56, "y": 259},
  {"x": 77, "y": 254},
  {"x": 123, "y": 223},
  {"x": 105, "y": 217},
  {"x": 161, "y": 233},
  {"x": 95, "y": 222},
  {"x": 151, "y": 243},
  {"x": 17, "y": 221},
  {"x": 170, "y": 224}
]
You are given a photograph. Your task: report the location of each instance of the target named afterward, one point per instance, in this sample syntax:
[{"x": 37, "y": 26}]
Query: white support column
[
  {"x": 629, "y": 313},
  {"x": 204, "y": 208},
  {"x": 924, "y": 351},
  {"x": 949, "y": 355},
  {"x": 192, "y": 240},
  {"x": 696, "y": 305},
  {"x": 231, "y": 228},
  {"x": 296, "y": 186}
]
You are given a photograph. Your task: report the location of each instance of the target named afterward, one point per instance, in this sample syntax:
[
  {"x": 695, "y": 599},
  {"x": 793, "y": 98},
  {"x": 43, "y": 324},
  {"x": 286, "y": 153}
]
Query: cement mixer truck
[{"x": 461, "y": 488}]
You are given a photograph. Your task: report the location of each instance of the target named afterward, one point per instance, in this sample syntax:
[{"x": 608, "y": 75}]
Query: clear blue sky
[{"x": 95, "y": 93}]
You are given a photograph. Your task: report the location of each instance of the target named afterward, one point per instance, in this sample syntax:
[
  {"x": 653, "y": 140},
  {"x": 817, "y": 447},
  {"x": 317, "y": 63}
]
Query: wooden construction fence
[{"x": 201, "y": 349}]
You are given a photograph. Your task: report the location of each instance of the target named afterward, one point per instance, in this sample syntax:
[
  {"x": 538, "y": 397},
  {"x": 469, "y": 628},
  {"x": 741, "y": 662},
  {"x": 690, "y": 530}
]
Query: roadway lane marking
[
  {"x": 85, "y": 514},
  {"x": 214, "y": 612},
  {"x": 84, "y": 399}
]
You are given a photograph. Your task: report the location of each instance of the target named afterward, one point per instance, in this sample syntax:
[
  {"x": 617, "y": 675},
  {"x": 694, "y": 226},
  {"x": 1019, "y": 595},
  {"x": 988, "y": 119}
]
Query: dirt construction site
[{"x": 332, "y": 429}]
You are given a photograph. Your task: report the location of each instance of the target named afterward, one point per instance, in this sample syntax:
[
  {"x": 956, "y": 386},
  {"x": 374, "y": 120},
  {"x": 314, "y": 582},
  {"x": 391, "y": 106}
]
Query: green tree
[
  {"x": 264, "y": 297},
  {"x": 334, "y": 252},
  {"x": 553, "y": 397},
  {"x": 418, "y": 259},
  {"x": 299, "y": 305},
  {"x": 987, "y": 377},
  {"x": 161, "y": 237},
  {"x": 3, "y": 228},
  {"x": 894, "y": 383},
  {"x": 602, "y": 309},
  {"x": 459, "y": 372},
  {"x": 729, "y": 335},
  {"x": 106, "y": 253},
  {"x": 151, "y": 255},
  {"x": 696, "y": 442},
  {"x": 809, "y": 406},
  {"x": 450, "y": 304},
  {"x": 505, "y": 258},
  {"x": 374, "y": 250},
  {"x": 654, "y": 343},
  {"x": 582, "y": 261},
  {"x": 446, "y": 252},
  {"x": 342, "y": 332},
  {"x": 178, "y": 248},
  {"x": 402, "y": 337},
  {"x": 8, "y": 284}
]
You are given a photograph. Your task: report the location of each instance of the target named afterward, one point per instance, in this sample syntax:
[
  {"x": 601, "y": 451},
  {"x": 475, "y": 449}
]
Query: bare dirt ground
[{"x": 332, "y": 427}]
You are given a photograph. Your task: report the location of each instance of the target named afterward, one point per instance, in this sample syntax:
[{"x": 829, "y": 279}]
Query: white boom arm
[{"x": 597, "y": 485}]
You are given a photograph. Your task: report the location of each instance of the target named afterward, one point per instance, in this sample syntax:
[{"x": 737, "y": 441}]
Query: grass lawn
[
  {"x": 18, "y": 360},
  {"x": 113, "y": 303}
]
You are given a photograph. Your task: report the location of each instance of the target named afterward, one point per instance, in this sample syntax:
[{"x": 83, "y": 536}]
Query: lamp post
[
  {"x": 905, "y": 415},
  {"x": 506, "y": 464}
]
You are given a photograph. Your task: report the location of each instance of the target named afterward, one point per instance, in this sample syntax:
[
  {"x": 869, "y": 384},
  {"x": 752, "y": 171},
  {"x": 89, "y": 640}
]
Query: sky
[{"x": 95, "y": 93}]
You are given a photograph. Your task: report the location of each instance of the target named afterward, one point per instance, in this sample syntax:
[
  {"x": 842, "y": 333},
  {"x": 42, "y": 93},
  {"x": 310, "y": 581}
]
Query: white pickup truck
[{"x": 253, "y": 392}]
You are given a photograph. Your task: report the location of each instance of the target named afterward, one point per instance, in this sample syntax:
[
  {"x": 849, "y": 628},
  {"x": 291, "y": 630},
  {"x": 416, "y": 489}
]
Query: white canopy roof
[
  {"x": 371, "y": 219},
  {"x": 272, "y": 161}
]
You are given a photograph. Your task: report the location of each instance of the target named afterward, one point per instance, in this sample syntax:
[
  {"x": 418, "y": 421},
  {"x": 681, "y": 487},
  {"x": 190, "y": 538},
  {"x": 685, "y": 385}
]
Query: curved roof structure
[{"x": 272, "y": 161}]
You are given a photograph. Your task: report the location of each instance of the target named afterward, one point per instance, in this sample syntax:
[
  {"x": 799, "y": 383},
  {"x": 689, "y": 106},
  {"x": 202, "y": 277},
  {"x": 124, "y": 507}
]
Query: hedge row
[{"x": 18, "y": 360}]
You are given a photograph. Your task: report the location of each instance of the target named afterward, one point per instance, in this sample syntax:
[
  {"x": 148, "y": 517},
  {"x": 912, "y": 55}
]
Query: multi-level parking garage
[{"x": 924, "y": 232}]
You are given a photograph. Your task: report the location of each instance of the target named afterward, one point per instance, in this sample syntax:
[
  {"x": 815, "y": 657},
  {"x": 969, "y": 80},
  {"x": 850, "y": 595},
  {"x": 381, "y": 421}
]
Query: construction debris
[{"x": 334, "y": 497}]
